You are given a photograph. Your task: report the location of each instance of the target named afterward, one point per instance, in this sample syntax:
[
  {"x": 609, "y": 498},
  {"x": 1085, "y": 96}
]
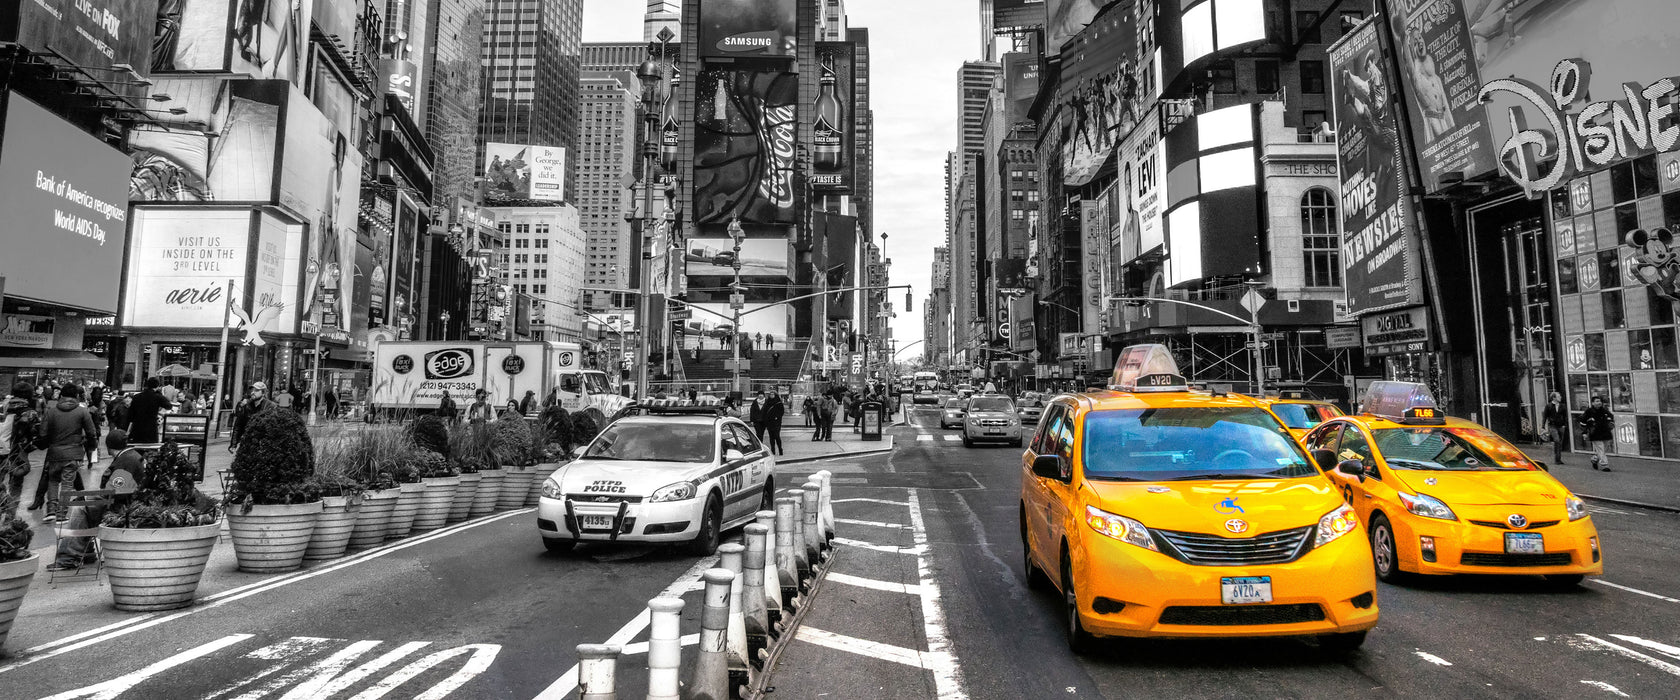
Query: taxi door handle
[{"x": 1369, "y": 496}]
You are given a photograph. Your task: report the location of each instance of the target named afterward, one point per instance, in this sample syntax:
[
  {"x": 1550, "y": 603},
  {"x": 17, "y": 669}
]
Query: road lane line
[
  {"x": 862, "y": 647},
  {"x": 81, "y": 635},
  {"x": 1431, "y": 658},
  {"x": 1666, "y": 649},
  {"x": 872, "y": 523},
  {"x": 1651, "y": 661},
  {"x": 861, "y": 582},
  {"x": 952, "y": 438},
  {"x": 1631, "y": 589},
  {"x": 888, "y": 548},
  {"x": 121, "y": 684},
  {"x": 1606, "y": 687},
  {"x": 924, "y": 438},
  {"x": 870, "y": 500},
  {"x": 939, "y": 658}
]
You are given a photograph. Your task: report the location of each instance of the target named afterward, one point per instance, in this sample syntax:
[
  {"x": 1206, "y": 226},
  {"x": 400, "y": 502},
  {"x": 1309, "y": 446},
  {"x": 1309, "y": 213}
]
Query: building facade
[
  {"x": 531, "y": 63},
  {"x": 605, "y": 161},
  {"x": 543, "y": 245}
]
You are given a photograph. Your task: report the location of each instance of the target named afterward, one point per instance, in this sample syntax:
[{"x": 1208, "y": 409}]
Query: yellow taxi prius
[
  {"x": 1298, "y": 413},
  {"x": 1442, "y": 495},
  {"x": 1158, "y": 511}
]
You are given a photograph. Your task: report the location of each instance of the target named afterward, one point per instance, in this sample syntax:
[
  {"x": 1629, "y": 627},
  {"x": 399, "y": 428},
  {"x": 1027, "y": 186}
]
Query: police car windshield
[
  {"x": 1448, "y": 449},
  {"x": 691, "y": 443},
  {"x": 1185, "y": 444},
  {"x": 991, "y": 403}
]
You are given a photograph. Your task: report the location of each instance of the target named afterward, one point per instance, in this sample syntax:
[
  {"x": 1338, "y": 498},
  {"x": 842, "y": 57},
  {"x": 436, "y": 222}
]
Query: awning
[{"x": 45, "y": 358}]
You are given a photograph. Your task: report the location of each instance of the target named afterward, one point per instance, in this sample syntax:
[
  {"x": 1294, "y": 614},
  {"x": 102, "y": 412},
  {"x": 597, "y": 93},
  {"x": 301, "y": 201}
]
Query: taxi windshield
[
  {"x": 1448, "y": 449},
  {"x": 1186, "y": 444},
  {"x": 1299, "y": 416},
  {"x": 652, "y": 442},
  {"x": 953, "y": 403},
  {"x": 991, "y": 403}
]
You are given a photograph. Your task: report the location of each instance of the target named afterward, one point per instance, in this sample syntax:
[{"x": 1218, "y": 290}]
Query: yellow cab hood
[
  {"x": 1524, "y": 488},
  {"x": 1204, "y": 506}
]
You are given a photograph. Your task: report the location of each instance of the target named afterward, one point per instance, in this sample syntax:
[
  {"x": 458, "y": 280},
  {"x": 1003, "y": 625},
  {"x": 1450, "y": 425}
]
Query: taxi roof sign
[
  {"x": 1402, "y": 402},
  {"x": 1145, "y": 368}
]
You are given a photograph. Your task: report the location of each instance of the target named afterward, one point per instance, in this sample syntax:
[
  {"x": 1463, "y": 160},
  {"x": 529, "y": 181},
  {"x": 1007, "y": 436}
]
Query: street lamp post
[
  {"x": 737, "y": 235},
  {"x": 443, "y": 320},
  {"x": 1253, "y": 323},
  {"x": 328, "y": 274},
  {"x": 652, "y": 76}
]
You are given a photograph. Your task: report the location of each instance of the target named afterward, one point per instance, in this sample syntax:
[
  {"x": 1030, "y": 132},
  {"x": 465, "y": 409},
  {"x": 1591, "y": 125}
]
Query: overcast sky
[{"x": 917, "y": 47}]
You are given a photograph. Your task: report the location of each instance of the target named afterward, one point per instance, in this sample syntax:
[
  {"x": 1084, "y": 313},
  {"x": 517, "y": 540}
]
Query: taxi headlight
[
  {"x": 674, "y": 492},
  {"x": 1427, "y": 506},
  {"x": 551, "y": 489},
  {"x": 1336, "y": 523},
  {"x": 1577, "y": 508},
  {"x": 1119, "y": 527}
]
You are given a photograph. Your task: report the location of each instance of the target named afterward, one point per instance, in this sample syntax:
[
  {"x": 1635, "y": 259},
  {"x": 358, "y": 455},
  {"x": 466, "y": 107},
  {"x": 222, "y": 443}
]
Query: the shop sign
[
  {"x": 1338, "y": 337},
  {"x": 1397, "y": 332},
  {"x": 25, "y": 331}
]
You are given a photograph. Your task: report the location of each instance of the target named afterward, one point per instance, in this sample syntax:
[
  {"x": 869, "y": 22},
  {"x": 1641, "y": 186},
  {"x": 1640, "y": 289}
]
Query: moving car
[
  {"x": 1157, "y": 511},
  {"x": 1030, "y": 407},
  {"x": 679, "y": 477},
  {"x": 1442, "y": 495},
  {"x": 951, "y": 416},
  {"x": 991, "y": 418},
  {"x": 964, "y": 390},
  {"x": 1301, "y": 414}
]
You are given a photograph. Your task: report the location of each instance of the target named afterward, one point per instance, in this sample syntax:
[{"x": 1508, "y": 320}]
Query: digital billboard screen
[
  {"x": 221, "y": 149},
  {"x": 748, "y": 28},
  {"x": 259, "y": 39},
  {"x": 833, "y": 119},
  {"x": 91, "y": 33},
  {"x": 1017, "y": 14},
  {"x": 180, "y": 265},
  {"x": 745, "y": 124}
]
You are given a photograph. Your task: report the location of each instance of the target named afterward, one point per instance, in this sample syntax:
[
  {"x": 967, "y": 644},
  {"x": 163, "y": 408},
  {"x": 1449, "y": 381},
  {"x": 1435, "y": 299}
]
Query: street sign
[
  {"x": 1263, "y": 345},
  {"x": 737, "y": 301},
  {"x": 680, "y": 314},
  {"x": 1253, "y": 301}
]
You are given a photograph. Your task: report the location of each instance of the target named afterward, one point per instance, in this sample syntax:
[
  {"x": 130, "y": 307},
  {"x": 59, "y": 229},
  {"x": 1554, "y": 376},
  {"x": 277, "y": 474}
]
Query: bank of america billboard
[{"x": 748, "y": 28}]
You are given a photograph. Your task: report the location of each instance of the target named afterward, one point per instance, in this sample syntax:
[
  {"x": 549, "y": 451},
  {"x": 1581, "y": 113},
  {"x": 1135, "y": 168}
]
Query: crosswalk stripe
[
  {"x": 892, "y": 549},
  {"x": 864, "y": 647},
  {"x": 870, "y": 523},
  {"x": 860, "y": 582},
  {"x": 952, "y": 438},
  {"x": 924, "y": 438}
]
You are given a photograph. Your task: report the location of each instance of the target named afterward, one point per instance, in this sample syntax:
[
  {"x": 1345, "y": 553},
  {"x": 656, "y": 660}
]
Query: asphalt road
[{"x": 1461, "y": 637}]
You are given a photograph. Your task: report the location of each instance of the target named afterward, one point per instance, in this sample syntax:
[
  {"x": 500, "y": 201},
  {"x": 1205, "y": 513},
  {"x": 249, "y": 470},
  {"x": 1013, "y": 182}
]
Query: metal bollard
[
  {"x": 827, "y": 506},
  {"x": 813, "y": 522},
  {"x": 754, "y": 595},
  {"x": 597, "y": 671},
  {"x": 664, "y": 648},
  {"x": 731, "y": 556},
  {"x": 801, "y": 559},
  {"x": 787, "y": 564},
  {"x": 711, "y": 668},
  {"x": 772, "y": 578}
]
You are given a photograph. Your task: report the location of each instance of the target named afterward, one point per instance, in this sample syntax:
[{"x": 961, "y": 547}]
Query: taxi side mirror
[
  {"x": 1543, "y": 466},
  {"x": 1352, "y": 467},
  {"x": 732, "y": 455},
  {"x": 1048, "y": 467},
  {"x": 1324, "y": 458}
]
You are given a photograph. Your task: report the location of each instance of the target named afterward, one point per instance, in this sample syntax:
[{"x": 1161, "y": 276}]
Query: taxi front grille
[
  {"x": 587, "y": 498},
  {"x": 1241, "y": 615},
  {"x": 1506, "y": 526},
  {"x": 1212, "y": 550},
  {"x": 1515, "y": 560}
]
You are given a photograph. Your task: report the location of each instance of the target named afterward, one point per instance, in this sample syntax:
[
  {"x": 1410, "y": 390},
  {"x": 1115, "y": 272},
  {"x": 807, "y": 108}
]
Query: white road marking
[
  {"x": 121, "y": 684},
  {"x": 568, "y": 681},
  {"x": 1631, "y": 589},
  {"x": 1611, "y": 511},
  {"x": 953, "y": 438},
  {"x": 1431, "y": 658},
  {"x": 1606, "y": 687},
  {"x": 327, "y": 681},
  {"x": 872, "y": 523},
  {"x": 283, "y": 651},
  {"x": 939, "y": 658},
  {"x": 482, "y": 655},
  {"x": 863, "y": 647},
  {"x": 924, "y": 437},
  {"x": 870, "y": 500},
  {"x": 860, "y": 582},
  {"x": 1651, "y": 661},
  {"x": 1666, "y": 649},
  {"x": 891, "y": 549},
  {"x": 687, "y": 640}
]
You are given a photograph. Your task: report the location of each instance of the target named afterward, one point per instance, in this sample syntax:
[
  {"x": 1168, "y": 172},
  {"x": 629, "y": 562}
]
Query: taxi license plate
[
  {"x": 1525, "y": 543},
  {"x": 596, "y": 522},
  {"x": 994, "y": 432},
  {"x": 1243, "y": 590}
]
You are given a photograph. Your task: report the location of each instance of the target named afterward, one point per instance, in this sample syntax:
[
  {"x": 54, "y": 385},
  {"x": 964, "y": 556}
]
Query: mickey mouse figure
[{"x": 1657, "y": 262}]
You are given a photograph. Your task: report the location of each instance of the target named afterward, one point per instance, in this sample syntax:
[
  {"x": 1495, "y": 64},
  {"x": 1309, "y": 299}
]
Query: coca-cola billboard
[{"x": 744, "y": 140}]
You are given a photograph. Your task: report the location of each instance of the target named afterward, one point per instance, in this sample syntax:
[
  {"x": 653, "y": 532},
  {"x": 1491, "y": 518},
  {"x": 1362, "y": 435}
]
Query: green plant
[
  {"x": 431, "y": 465},
  {"x": 332, "y": 466},
  {"x": 375, "y": 455},
  {"x": 275, "y": 462},
  {"x": 469, "y": 448},
  {"x": 15, "y": 534},
  {"x": 167, "y": 495},
  {"x": 556, "y": 425},
  {"x": 585, "y": 426},
  {"x": 429, "y": 433},
  {"x": 510, "y": 441}
]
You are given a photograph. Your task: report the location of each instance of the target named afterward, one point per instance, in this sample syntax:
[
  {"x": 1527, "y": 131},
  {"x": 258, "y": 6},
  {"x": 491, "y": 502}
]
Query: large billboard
[
  {"x": 760, "y": 257},
  {"x": 1064, "y": 18},
  {"x": 1109, "y": 76},
  {"x": 1020, "y": 85},
  {"x": 516, "y": 172},
  {"x": 180, "y": 264},
  {"x": 835, "y": 258},
  {"x": 1432, "y": 45},
  {"x": 1017, "y": 14},
  {"x": 833, "y": 126},
  {"x": 221, "y": 149},
  {"x": 91, "y": 33},
  {"x": 748, "y": 28},
  {"x": 1378, "y": 248},
  {"x": 1143, "y": 174},
  {"x": 262, "y": 39},
  {"x": 745, "y": 124},
  {"x": 63, "y": 195}
]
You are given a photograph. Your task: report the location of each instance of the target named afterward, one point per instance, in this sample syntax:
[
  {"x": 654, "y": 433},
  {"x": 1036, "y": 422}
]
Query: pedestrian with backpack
[
  {"x": 1600, "y": 426},
  {"x": 20, "y": 424},
  {"x": 68, "y": 433}
]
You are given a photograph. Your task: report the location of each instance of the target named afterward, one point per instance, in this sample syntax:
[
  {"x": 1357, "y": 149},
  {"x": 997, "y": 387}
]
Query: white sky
[{"x": 917, "y": 47}]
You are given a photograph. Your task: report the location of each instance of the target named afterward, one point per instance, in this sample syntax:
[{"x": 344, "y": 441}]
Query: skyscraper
[
  {"x": 448, "y": 108},
  {"x": 662, "y": 14},
  {"x": 531, "y": 62},
  {"x": 605, "y": 162},
  {"x": 975, "y": 81}
]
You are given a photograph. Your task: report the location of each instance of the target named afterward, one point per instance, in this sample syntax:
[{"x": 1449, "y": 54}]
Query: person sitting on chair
[{"x": 122, "y": 478}]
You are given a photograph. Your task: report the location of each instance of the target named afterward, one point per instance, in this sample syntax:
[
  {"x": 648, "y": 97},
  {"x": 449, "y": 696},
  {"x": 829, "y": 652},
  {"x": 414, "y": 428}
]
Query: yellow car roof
[
  {"x": 1120, "y": 400},
  {"x": 1374, "y": 422}
]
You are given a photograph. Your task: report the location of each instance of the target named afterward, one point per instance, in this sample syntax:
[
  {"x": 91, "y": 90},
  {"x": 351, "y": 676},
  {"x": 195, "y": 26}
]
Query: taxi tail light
[
  {"x": 1427, "y": 544},
  {"x": 1119, "y": 527}
]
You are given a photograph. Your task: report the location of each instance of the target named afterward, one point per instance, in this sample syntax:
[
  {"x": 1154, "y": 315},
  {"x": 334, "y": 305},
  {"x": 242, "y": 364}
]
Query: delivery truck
[{"x": 413, "y": 375}]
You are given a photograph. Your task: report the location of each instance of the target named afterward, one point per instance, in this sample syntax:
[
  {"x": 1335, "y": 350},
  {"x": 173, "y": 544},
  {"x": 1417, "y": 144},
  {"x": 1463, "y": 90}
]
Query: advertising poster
[
  {"x": 1377, "y": 253},
  {"x": 260, "y": 38},
  {"x": 221, "y": 150},
  {"x": 748, "y": 28},
  {"x": 1020, "y": 84},
  {"x": 1432, "y": 46},
  {"x": 744, "y": 146},
  {"x": 1023, "y": 336},
  {"x": 275, "y": 285},
  {"x": 1143, "y": 167},
  {"x": 1108, "y": 79},
  {"x": 836, "y": 258},
  {"x": 90, "y": 33},
  {"x": 833, "y": 128},
  {"x": 514, "y": 172},
  {"x": 181, "y": 262},
  {"x": 1064, "y": 18},
  {"x": 402, "y": 79},
  {"x": 1094, "y": 258},
  {"x": 62, "y": 195},
  {"x": 760, "y": 257},
  {"x": 1018, "y": 13}
]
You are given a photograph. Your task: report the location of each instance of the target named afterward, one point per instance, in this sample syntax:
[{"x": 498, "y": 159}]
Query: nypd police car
[{"x": 671, "y": 476}]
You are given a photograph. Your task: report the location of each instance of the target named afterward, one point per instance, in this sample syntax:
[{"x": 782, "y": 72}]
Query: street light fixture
[
  {"x": 737, "y": 300},
  {"x": 652, "y": 74},
  {"x": 328, "y": 276}
]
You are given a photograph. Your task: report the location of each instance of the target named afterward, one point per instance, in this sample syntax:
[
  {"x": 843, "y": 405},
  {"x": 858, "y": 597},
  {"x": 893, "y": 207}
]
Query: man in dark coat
[
  {"x": 774, "y": 409},
  {"x": 69, "y": 433},
  {"x": 1600, "y": 426},
  {"x": 143, "y": 413},
  {"x": 255, "y": 401}
]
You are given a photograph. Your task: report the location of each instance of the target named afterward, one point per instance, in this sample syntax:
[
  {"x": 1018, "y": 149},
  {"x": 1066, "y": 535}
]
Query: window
[
  {"x": 1266, "y": 77},
  {"x": 1306, "y": 27},
  {"x": 1312, "y": 77},
  {"x": 1320, "y": 241},
  {"x": 1224, "y": 76},
  {"x": 1314, "y": 118}
]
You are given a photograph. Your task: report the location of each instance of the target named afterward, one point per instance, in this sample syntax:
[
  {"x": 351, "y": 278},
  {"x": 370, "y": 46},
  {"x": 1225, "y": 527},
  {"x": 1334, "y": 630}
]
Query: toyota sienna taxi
[
  {"x": 1442, "y": 495},
  {"x": 1162, "y": 512}
]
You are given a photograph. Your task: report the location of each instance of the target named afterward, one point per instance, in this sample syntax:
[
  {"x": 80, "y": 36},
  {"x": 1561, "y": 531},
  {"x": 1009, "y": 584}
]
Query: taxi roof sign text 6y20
[{"x": 1147, "y": 368}]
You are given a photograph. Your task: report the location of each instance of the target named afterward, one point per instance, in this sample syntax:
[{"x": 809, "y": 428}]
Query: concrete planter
[
  {"x": 516, "y": 484},
  {"x": 373, "y": 517},
  {"x": 272, "y": 539},
  {"x": 489, "y": 491},
  {"x": 436, "y": 503},
  {"x": 332, "y": 530},
  {"x": 156, "y": 569},
  {"x": 14, "y": 582},
  {"x": 543, "y": 471},
  {"x": 408, "y": 505},
  {"x": 465, "y": 494}
]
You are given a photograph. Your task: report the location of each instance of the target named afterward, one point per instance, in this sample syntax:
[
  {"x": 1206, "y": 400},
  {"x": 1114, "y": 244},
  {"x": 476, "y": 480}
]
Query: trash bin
[{"x": 871, "y": 420}]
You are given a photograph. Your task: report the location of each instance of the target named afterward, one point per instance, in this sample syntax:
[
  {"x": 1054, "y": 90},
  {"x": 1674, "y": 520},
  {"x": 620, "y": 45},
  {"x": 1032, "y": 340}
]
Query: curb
[
  {"x": 760, "y": 687},
  {"x": 843, "y": 455},
  {"x": 1630, "y": 504}
]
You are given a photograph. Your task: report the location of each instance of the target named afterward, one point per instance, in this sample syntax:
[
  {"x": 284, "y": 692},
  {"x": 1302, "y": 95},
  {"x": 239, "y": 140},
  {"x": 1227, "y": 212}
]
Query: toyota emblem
[
  {"x": 1517, "y": 521},
  {"x": 1236, "y": 526}
]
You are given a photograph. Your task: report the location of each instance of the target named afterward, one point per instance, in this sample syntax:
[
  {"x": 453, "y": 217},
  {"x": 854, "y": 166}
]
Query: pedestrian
[
  {"x": 332, "y": 404},
  {"x": 69, "y": 433},
  {"x": 774, "y": 410},
  {"x": 299, "y": 402},
  {"x": 286, "y": 399},
  {"x": 775, "y": 359},
  {"x": 854, "y": 411},
  {"x": 808, "y": 408},
  {"x": 511, "y": 410},
  {"x": 20, "y": 424},
  {"x": 96, "y": 408},
  {"x": 446, "y": 408},
  {"x": 170, "y": 393},
  {"x": 827, "y": 410},
  {"x": 756, "y": 414},
  {"x": 256, "y": 401},
  {"x": 1599, "y": 424},
  {"x": 122, "y": 478},
  {"x": 142, "y": 424},
  {"x": 479, "y": 411},
  {"x": 528, "y": 405},
  {"x": 116, "y": 411},
  {"x": 1556, "y": 419},
  {"x": 769, "y": 341}
]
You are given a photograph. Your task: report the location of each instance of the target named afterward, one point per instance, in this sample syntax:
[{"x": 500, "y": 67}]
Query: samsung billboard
[{"x": 748, "y": 28}]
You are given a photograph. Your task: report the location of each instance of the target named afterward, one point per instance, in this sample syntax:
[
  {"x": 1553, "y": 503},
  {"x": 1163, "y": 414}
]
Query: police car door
[{"x": 743, "y": 486}]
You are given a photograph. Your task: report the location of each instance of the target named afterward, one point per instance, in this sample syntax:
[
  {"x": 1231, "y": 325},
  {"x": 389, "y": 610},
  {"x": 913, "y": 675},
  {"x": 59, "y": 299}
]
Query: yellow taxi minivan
[
  {"x": 1298, "y": 413},
  {"x": 1158, "y": 511},
  {"x": 1442, "y": 495}
]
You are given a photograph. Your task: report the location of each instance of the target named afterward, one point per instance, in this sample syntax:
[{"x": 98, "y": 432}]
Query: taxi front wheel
[
  {"x": 1384, "y": 554},
  {"x": 1036, "y": 581},
  {"x": 1079, "y": 641},
  {"x": 1344, "y": 643}
]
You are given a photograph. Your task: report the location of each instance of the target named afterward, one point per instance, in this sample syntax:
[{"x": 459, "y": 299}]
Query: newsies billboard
[{"x": 748, "y": 28}]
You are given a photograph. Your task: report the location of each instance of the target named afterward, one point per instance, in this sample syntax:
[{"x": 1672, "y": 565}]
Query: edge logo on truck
[{"x": 449, "y": 364}]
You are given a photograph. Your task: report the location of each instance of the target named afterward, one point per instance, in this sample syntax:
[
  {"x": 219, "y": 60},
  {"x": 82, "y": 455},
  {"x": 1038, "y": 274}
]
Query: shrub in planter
[
  {"x": 275, "y": 504},
  {"x": 431, "y": 434},
  {"x": 156, "y": 544},
  {"x": 510, "y": 441},
  {"x": 17, "y": 565},
  {"x": 585, "y": 426},
  {"x": 556, "y": 427},
  {"x": 15, "y": 534},
  {"x": 371, "y": 458},
  {"x": 340, "y": 495}
]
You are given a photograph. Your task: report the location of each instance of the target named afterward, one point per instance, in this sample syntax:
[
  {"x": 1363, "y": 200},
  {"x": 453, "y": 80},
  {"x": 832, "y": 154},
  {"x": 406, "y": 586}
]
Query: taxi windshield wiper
[
  {"x": 1112, "y": 477},
  {"x": 1216, "y": 476},
  {"x": 603, "y": 457},
  {"x": 1418, "y": 465}
]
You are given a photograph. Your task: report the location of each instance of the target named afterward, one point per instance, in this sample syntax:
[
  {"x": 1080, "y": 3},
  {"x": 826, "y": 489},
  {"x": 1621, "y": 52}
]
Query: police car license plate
[
  {"x": 1525, "y": 543},
  {"x": 597, "y": 522},
  {"x": 1242, "y": 590}
]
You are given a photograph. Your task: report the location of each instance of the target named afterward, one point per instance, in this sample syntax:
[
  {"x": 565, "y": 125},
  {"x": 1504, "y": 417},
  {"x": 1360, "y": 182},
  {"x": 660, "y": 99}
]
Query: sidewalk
[
  {"x": 798, "y": 447},
  {"x": 1647, "y": 483}
]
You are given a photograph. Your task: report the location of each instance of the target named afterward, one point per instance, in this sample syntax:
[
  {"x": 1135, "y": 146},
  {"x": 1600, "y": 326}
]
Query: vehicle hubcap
[{"x": 1385, "y": 549}]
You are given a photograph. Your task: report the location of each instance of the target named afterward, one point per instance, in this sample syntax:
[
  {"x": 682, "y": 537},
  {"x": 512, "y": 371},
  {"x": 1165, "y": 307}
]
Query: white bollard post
[
  {"x": 801, "y": 560},
  {"x": 732, "y": 556},
  {"x": 711, "y": 668},
  {"x": 787, "y": 563},
  {"x": 827, "y": 506},
  {"x": 772, "y": 577},
  {"x": 813, "y": 522},
  {"x": 597, "y": 671},
  {"x": 754, "y": 595},
  {"x": 664, "y": 648}
]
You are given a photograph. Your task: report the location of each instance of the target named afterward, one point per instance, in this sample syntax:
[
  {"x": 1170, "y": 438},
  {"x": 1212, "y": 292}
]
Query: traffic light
[{"x": 907, "y": 301}]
